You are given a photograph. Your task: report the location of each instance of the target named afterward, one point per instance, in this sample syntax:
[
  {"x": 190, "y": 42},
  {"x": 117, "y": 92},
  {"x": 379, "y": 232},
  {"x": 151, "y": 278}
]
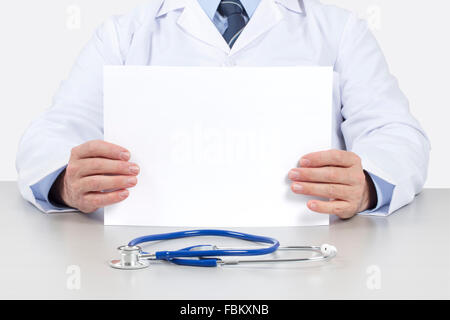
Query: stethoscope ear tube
[{"x": 327, "y": 252}]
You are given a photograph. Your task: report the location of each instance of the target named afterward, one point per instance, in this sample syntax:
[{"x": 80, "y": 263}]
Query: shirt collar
[{"x": 210, "y": 6}]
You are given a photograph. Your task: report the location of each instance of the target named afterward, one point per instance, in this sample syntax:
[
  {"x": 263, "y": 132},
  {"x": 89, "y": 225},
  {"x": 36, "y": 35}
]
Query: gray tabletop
[{"x": 65, "y": 256}]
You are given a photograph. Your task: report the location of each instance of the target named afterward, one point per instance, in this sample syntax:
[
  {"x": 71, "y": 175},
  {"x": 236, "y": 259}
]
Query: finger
[
  {"x": 95, "y": 200},
  {"x": 323, "y": 174},
  {"x": 95, "y": 166},
  {"x": 337, "y": 158},
  {"x": 100, "y": 148},
  {"x": 324, "y": 190},
  {"x": 102, "y": 183},
  {"x": 337, "y": 207}
]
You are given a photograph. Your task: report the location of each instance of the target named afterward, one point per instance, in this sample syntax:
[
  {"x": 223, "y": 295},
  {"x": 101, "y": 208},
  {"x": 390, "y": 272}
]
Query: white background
[{"x": 41, "y": 39}]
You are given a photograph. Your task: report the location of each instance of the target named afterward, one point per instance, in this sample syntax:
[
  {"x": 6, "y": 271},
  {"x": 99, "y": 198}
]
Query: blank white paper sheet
[{"x": 215, "y": 144}]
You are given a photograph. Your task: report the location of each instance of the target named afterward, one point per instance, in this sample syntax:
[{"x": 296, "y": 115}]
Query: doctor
[{"x": 381, "y": 153}]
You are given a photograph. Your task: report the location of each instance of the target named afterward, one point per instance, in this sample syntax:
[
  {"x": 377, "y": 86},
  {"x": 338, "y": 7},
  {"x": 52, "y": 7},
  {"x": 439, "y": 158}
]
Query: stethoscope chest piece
[{"x": 130, "y": 259}]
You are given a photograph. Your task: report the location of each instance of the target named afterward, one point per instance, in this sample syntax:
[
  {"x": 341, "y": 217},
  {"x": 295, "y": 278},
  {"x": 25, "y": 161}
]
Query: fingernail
[
  {"x": 293, "y": 174},
  {"x": 297, "y": 187},
  {"x": 132, "y": 181},
  {"x": 305, "y": 162},
  {"x": 124, "y": 194},
  {"x": 134, "y": 169},
  {"x": 313, "y": 205},
  {"x": 125, "y": 155}
]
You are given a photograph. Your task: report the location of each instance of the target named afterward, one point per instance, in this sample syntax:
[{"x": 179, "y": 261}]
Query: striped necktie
[{"x": 234, "y": 12}]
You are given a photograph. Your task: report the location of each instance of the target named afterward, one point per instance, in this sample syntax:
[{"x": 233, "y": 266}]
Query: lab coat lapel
[
  {"x": 194, "y": 21},
  {"x": 265, "y": 17}
]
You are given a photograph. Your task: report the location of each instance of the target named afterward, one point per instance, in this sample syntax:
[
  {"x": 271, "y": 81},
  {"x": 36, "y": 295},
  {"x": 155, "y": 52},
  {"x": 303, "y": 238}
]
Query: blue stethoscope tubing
[{"x": 185, "y": 256}]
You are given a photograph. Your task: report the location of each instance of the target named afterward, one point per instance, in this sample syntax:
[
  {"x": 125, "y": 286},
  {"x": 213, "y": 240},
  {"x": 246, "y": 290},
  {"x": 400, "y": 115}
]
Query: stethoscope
[{"x": 132, "y": 256}]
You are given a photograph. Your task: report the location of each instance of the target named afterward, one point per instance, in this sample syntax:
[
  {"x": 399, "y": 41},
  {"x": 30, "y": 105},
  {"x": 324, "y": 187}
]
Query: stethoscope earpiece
[{"x": 328, "y": 250}]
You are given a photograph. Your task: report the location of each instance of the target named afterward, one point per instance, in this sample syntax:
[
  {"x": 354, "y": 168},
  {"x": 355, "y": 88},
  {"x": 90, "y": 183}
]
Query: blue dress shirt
[{"x": 383, "y": 188}]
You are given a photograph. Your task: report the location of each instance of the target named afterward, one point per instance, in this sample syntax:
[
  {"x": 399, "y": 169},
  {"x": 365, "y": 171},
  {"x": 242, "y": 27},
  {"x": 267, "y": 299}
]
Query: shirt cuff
[
  {"x": 42, "y": 188},
  {"x": 384, "y": 191}
]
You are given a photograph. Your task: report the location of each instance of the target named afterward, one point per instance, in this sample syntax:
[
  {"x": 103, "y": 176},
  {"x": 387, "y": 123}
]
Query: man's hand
[
  {"x": 94, "y": 167},
  {"x": 338, "y": 176}
]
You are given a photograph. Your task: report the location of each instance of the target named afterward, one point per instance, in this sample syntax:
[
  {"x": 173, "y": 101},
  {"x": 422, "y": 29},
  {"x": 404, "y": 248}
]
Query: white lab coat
[{"x": 371, "y": 114}]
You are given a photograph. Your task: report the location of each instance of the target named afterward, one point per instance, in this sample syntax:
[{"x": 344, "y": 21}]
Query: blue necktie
[{"x": 234, "y": 12}]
